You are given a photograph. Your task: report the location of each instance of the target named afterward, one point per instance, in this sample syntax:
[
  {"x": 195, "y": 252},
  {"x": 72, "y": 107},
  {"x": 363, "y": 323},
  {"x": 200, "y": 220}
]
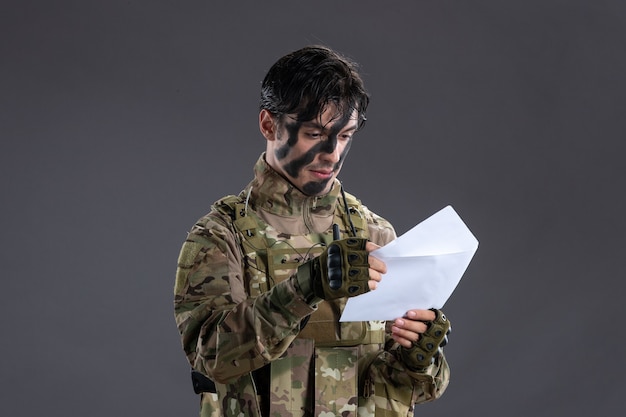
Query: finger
[
  {"x": 376, "y": 264},
  {"x": 402, "y": 341},
  {"x": 375, "y": 278},
  {"x": 405, "y": 337},
  {"x": 421, "y": 315},
  {"x": 375, "y": 275},
  {"x": 412, "y": 326},
  {"x": 371, "y": 246}
]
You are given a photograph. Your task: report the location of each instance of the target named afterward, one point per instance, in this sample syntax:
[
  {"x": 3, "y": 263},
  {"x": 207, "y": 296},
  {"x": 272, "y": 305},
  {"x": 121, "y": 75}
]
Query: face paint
[
  {"x": 323, "y": 146},
  {"x": 308, "y": 161},
  {"x": 314, "y": 188},
  {"x": 317, "y": 187},
  {"x": 293, "y": 168},
  {"x": 292, "y": 139}
]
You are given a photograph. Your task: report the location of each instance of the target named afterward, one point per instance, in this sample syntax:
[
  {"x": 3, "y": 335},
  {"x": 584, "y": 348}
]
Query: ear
[{"x": 267, "y": 125}]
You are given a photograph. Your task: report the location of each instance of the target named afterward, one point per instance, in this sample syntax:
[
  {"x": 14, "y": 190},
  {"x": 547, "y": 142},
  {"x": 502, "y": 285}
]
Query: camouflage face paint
[
  {"x": 317, "y": 187},
  {"x": 292, "y": 139},
  {"x": 294, "y": 167},
  {"x": 314, "y": 187},
  {"x": 323, "y": 146}
]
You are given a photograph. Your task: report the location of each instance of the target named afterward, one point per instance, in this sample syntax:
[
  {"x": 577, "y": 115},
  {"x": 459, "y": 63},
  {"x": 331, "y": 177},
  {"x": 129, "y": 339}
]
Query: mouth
[{"x": 322, "y": 174}]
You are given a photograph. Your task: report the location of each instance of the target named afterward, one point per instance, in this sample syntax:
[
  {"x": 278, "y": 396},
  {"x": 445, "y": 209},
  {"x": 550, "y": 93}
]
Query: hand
[
  {"x": 344, "y": 269},
  {"x": 422, "y": 334}
]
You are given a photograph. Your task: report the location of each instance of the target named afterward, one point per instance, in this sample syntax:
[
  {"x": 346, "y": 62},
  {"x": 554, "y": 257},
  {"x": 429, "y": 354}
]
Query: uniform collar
[{"x": 271, "y": 192}]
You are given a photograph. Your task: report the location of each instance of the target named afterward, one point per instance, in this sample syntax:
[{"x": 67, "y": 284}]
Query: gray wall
[{"x": 121, "y": 121}]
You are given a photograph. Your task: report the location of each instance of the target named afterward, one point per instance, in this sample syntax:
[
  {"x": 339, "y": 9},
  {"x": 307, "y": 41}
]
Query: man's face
[{"x": 309, "y": 154}]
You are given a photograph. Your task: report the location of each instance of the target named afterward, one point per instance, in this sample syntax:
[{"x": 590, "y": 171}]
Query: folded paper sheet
[{"x": 424, "y": 266}]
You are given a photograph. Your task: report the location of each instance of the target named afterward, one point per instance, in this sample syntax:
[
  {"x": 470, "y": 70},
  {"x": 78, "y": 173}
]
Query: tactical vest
[{"x": 333, "y": 348}]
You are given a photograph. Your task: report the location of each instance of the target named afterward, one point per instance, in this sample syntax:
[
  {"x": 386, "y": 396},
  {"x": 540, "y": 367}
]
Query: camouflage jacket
[{"x": 245, "y": 325}]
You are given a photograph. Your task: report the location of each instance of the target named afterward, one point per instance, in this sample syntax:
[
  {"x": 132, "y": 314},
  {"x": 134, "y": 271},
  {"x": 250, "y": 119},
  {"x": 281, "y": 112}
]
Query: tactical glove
[
  {"x": 423, "y": 352},
  {"x": 342, "y": 270}
]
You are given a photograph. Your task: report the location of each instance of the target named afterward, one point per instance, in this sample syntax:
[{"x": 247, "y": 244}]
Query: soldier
[{"x": 262, "y": 279}]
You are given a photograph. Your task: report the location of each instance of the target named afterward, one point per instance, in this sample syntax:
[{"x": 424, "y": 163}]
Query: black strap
[{"x": 201, "y": 383}]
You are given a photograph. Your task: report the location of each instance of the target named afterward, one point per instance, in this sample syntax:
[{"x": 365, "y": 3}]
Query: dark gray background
[{"x": 121, "y": 121}]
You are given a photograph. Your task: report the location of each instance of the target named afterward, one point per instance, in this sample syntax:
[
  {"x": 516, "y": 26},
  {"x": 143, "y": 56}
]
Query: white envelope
[{"x": 424, "y": 266}]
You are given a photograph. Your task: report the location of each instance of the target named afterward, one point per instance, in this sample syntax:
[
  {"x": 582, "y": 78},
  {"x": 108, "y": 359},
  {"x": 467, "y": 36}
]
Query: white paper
[{"x": 424, "y": 266}]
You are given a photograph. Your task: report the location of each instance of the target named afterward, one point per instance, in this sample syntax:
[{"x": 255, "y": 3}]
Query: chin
[{"x": 316, "y": 189}]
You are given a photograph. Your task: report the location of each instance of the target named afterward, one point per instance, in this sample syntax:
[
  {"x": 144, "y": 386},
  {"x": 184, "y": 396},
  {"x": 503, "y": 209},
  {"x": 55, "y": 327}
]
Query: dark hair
[{"x": 305, "y": 81}]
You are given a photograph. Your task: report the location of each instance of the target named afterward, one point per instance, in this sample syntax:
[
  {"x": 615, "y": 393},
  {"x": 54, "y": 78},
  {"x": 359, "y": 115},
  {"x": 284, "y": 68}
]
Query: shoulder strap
[
  {"x": 350, "y": 213},
  {"x": 247, "y": 227}
]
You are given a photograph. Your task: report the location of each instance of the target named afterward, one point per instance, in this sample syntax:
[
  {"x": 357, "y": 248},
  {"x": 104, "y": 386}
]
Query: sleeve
[
  {"x": 225, "y": 333},
  {"x": 395, "y": 387},
  {"x": 428, "y": 384}
]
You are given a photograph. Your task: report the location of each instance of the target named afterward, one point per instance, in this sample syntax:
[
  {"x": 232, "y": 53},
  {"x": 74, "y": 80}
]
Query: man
[{"x": 263, "y": 277}]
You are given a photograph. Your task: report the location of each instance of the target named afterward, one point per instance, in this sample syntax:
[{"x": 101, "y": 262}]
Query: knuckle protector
[
  {"x": 347, "y": 269},
  {"x": 423, "y": 352}
]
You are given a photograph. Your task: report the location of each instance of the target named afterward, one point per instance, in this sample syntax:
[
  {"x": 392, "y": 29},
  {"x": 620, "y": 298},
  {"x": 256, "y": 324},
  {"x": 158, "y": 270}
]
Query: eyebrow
[
  {"x": 315, "y": 125},
  {"x": 312, "y": 124}
]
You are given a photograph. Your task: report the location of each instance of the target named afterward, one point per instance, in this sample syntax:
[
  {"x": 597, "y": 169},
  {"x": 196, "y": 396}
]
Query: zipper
[{"x": 309, "y": 203}]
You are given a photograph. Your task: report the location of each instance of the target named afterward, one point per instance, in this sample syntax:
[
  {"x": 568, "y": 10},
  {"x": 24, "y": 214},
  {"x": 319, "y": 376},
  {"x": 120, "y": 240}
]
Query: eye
[
  {"x": 313, "y": 135},
  {"x": 345, "y": 136}
]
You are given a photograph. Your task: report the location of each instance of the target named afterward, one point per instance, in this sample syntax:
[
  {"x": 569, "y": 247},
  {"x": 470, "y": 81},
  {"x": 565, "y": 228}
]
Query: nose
[{"x": 331, "y": 151}]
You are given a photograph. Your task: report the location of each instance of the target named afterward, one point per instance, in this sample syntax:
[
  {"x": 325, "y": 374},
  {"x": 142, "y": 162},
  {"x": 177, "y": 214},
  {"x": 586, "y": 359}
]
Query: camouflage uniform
[{"x": 239, "y": 310}]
